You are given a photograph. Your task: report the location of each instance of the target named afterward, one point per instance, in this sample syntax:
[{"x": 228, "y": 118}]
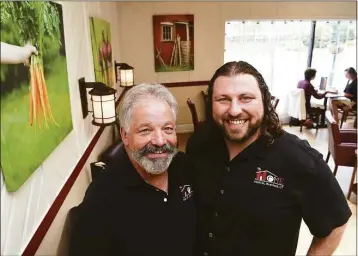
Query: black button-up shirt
[
  {"x": 123, "y": 215},
  {"x": 254, "y": 204}
]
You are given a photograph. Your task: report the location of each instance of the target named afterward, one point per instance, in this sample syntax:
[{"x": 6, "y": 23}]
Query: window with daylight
[
  {"x": 335, "y": 49},
  {"x": 282, "y": 50},
  {"x": 167, "y": 32}
]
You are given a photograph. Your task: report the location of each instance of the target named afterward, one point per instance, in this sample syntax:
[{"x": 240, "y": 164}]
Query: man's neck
[{"x": 235, "y": 148}]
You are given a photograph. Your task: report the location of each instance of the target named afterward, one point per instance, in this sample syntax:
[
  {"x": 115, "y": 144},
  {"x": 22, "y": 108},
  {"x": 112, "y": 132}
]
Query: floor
[{"x": 319, "y": 140}]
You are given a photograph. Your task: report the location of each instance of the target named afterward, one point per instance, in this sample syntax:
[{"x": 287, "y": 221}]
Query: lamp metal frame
[{"x": 98, "y": 89}]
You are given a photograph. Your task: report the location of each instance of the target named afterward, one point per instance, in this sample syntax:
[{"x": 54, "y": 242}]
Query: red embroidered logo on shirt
[
  {"x": 186, "y": 192},
  {"x": 267, "y": 178}
]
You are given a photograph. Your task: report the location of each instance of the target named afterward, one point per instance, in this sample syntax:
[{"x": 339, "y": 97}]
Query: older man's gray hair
[{"x": 139, "y": 91}]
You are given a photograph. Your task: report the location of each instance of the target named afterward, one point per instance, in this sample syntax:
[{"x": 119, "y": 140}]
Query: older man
[
  {"x": 255, "y": 182},
  {"x": 143, "y": 204}
]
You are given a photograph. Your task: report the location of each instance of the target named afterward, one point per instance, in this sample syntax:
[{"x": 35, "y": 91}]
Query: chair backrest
[
  {"x": 274, "y": 101},
  {"x": 194, "y": 114},
  {"x": 111, "y": 153},
  {"x": 297, "y": 104},
  {"x": 334, "y": 137},
  {"x": 205, "y": 96}
]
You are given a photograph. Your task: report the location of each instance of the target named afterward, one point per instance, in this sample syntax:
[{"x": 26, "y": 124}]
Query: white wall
[
  {"x": 23, "y": 211},
  {"x": 136, "y": 38}
]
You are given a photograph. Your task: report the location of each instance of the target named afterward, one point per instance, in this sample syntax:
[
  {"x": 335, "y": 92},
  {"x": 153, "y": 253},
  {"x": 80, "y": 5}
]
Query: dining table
[{"x": 329, "y": 96}]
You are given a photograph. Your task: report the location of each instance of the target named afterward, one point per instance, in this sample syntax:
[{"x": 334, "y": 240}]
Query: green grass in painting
[
  {"x": 24, "y": 147},
  {"x": 171, "y": 69}
]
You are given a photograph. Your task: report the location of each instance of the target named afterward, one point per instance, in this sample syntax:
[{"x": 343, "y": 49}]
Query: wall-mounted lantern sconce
[
  {"x": 124, "y": 74},
  {"x": 103, "y": 102}
]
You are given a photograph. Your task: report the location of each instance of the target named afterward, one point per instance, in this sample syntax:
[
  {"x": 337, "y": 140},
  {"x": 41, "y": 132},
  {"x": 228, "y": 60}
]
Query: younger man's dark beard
[
  {"x": 247, "y": 136},
  {"x": 251, "y": 131}
]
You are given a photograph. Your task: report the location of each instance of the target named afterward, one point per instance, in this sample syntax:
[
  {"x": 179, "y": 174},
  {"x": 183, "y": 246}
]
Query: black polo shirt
[
  {"x": 254, "y": 204},
  {"x": 123, "y": 215}
]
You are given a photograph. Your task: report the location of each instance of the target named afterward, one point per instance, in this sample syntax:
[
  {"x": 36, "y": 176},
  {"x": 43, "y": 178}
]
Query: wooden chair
[
  {"x": 194, "y": 114},
  {"x": 315, "y": 114},
  {"x": 274, "y": 101},
  {"x": 341, "y": 144},
  {"x": 346, "y": 114},
  {"x": 205, "y": 96}
]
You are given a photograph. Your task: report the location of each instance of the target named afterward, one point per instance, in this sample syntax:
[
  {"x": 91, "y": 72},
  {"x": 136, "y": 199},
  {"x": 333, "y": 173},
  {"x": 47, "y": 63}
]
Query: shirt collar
[
  {"x": 126, "y": 171},
  {"x": 257, "y": 149}
]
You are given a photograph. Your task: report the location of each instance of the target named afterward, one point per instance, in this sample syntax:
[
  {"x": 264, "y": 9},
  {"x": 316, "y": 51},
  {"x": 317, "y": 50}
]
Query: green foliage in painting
[{"x": 24, "y": 146}]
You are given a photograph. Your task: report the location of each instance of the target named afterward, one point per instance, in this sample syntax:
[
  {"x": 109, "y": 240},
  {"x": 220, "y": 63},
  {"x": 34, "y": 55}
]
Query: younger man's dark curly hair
[{"x": 271, "y": 126}]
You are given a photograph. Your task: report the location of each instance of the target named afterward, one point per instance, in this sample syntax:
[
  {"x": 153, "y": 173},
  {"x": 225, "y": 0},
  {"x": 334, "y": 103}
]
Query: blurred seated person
[
  {"x": 350, "y": 92},
  {"x": 310, "y": 91}
]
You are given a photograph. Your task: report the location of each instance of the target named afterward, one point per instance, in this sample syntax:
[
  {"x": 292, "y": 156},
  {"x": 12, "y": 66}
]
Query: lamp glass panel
[
  {"x": 89, "y": 104},
  {"x": 127, "y": 77},
  {"x": 104, "y": 110}
]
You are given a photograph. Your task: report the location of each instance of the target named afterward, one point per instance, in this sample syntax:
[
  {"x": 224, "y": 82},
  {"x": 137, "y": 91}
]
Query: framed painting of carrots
[
  {"x": 173, "y": 42},
  {"x": 35, "y": 101},
  {"x": 100, "y": 31}
]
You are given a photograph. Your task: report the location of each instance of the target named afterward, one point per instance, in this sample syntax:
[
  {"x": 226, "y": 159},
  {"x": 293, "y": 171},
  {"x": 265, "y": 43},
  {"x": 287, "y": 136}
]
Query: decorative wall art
[
  {"x": 173, "y": 42},
  {"x": 100, "y": 31},
  {"x": 35, "y": 101}
]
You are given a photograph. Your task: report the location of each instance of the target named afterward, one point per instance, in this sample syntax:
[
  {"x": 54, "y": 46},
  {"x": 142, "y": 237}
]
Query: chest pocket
[{"x": 260, "y": 191}]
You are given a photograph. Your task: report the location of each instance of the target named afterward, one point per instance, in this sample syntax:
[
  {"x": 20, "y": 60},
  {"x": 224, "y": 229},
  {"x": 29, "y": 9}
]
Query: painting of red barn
[{"x": 173, "y": 42}]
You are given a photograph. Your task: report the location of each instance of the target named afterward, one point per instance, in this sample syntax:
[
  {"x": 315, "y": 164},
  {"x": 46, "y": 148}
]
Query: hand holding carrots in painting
[
  {"x": 29, "y": 50},
  {"x": 40, "y": 108},
  {"x": 13, "y": 54}
]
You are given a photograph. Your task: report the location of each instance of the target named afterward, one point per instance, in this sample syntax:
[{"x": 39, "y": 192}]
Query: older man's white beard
[
  {"x": 158, "y": 165},
  {"x": 155, "y": 166}
]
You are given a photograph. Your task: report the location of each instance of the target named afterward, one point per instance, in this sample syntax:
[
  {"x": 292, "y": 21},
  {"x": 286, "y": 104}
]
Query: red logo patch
[{"x": 267, "y": 178}]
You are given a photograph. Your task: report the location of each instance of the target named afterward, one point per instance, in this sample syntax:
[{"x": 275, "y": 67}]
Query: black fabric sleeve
[
  {"x": 90, "y": 229},
  {"x": 89, "y": 232},
  {"x": 324, "y": 206},
  {"x": 200, "y": 140}
]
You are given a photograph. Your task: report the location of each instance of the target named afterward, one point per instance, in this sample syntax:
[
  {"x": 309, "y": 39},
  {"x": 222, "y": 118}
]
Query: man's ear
[{"x": 124, "y": 136}]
